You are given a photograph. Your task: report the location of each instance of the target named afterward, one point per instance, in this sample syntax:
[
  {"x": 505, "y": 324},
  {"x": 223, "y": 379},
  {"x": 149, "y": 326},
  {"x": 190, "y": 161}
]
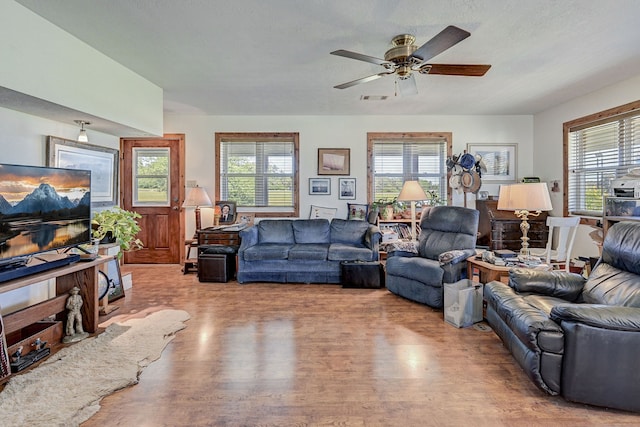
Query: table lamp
[
  {"x": 197, "y": 197},
  {"x": 525, "y": 200},
  {"x": 412, "y": 192}
]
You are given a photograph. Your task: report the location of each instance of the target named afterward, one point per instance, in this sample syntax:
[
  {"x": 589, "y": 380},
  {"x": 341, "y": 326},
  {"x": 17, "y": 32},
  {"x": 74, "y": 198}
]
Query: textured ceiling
[{"x": 272, "y": 57}]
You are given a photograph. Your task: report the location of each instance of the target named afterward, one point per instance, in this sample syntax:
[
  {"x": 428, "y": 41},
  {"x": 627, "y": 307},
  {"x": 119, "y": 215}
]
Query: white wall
[
  {"x": 45, "y": 62},
  {"x": 547, "y": 135},
  {"x": 342, "y": 132}
]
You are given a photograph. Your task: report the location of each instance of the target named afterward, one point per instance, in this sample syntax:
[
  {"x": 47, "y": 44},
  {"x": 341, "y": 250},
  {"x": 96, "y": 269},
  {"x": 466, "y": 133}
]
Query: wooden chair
[{"x": 559, "y": 256}]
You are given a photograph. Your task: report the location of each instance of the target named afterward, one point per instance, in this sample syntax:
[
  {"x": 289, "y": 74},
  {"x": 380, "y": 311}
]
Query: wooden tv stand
[{"x": 81, "y": 274}]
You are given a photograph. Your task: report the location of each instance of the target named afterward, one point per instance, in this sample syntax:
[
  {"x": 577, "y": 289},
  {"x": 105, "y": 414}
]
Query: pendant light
[{"x": 82, "y": 137}]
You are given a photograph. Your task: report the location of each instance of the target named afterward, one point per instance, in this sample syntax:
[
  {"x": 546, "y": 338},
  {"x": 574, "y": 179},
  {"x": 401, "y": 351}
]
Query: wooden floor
[{"x": 321, "y": 355}]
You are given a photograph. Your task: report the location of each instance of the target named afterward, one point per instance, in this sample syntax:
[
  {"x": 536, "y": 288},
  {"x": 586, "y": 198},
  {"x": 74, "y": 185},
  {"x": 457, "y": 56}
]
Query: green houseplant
[{"x": 120, "y": 224}]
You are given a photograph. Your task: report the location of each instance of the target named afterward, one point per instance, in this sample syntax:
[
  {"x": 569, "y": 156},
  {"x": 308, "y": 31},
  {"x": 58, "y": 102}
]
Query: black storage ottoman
[
  {"x": 216, "y": 263},
  {"x": 362, "y": 274}
]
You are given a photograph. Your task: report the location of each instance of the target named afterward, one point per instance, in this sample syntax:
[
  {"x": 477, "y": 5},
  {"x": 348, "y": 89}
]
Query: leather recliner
[{"x": 577, "y": 337}]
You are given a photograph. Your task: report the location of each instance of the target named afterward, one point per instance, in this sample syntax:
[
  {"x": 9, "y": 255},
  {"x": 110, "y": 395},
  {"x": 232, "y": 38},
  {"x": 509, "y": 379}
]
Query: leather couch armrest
[
  {"x": 600, "y": 316},
  {"x": 559, "y": 284}
]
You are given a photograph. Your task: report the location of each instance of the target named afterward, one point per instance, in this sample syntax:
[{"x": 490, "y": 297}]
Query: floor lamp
[
  {"x": 525, "y": 200},
  {"x": 412, "y": 192},
  {"x": 197, "y": 197}
]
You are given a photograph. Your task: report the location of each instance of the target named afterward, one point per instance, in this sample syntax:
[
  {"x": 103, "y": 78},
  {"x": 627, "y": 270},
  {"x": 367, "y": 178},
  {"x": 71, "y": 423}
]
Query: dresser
[{"x": 499, "y": 229}]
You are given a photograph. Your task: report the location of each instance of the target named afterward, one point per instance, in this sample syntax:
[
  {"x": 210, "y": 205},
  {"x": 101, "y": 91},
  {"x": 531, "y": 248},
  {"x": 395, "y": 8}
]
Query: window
[
  {"x": 398, "y": 157},
  {"x": 599, "y": 148},
  {"x": 258, "y": 171},
  {"x": 151, "y": 176}
]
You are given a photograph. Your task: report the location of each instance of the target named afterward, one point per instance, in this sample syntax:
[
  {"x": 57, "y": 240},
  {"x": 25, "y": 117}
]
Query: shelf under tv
[{"x": 37, "y": 264}]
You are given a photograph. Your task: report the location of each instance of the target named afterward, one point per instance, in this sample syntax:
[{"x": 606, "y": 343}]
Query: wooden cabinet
[
  {"x": 498, "y": 229},
  {"x": 218, "y": 237}
]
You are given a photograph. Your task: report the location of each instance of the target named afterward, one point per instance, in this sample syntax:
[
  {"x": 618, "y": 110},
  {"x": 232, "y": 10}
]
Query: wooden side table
[
  {"x": 487, "y": 272},
  {"x": 190, "y": 262}
]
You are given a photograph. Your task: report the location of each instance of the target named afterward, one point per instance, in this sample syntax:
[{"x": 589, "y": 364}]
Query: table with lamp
[
  {"x": 525, "y": 200},
  {"x": 197, "y": 197}
]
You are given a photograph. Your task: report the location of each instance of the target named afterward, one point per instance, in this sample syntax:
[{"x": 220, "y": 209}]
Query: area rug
[{"x": 66, "y": 389}]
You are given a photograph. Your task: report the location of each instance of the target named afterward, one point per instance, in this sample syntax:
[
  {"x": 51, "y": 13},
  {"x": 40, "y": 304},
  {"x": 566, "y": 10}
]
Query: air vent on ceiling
[{"x": 373, "y": 97}]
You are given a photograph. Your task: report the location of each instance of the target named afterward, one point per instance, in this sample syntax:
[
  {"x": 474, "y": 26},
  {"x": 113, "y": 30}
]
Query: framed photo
[
  {"x": 347, "y": 188},
  {"x": 246, "y": 218},
  {"x": 116, "y": 290},
  {"x": 226, "y": 212},
  {"x": 358, "y": 211},
  {"x": 500, "y": 160},
  {"x": 319, "y": 186},
  {"x": 101, "y": 161},
  {"x": 333, "y": 161}
]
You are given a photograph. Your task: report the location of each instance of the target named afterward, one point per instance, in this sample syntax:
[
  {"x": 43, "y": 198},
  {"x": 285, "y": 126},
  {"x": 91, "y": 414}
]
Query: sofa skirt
[{"x": 285, "y": 271}]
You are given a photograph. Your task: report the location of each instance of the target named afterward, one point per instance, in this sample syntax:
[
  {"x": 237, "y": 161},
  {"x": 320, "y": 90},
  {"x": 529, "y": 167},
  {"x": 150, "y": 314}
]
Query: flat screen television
[{"x": 42, "y": 209}]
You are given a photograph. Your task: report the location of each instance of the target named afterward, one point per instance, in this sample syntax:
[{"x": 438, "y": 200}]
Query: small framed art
[
  {"x": 499, "y": 159},
  {"x": 319, "y": 186},
  {"x": 333, "y": 161},
  {"x": 347, "y": 188},
  {"x": 227, "y": 212}
]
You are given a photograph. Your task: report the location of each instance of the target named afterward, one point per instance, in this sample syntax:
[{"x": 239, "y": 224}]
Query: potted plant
[
  {"x": 386, "y": 208},
  {"x": 120, "y": 224}
]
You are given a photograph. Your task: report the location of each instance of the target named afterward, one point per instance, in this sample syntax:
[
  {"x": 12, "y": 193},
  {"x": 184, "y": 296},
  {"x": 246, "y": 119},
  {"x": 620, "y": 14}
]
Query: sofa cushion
[
  {"x": 309, "y": 252},
  {"x": 267, "y": 251},
  {"x": 611, "y": 286},
  {"x": 275, "y": 231},
  {"x": 347, "y": 252},
  {"x": 345, "y": 231},
  {"x": 311, "y": 231}
]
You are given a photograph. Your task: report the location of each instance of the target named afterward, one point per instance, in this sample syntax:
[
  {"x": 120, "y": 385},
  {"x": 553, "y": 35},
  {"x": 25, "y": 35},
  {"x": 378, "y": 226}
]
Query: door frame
[{"x": 180, "y": 137}]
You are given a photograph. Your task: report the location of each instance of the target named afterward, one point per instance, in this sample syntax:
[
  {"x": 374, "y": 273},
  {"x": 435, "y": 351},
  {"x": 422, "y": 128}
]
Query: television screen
[{"x": 43, "y": 209}]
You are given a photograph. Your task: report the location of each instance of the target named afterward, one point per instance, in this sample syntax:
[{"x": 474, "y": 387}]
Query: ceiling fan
[{"x": 405, "y": 57}]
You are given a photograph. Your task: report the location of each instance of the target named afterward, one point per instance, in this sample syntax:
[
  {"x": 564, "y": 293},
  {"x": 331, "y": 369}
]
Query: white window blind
[
  {"x": 599, "y": 153},
  {"x": 258, "y": 174},
  {"x": 396, "y": 161}
]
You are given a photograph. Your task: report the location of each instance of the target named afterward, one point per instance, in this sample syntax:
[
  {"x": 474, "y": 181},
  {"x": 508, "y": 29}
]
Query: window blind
[
  {"x": 598, "y": 154},
  {"x": 257, "y": 173},
  {"x": 396, "y": 161}
]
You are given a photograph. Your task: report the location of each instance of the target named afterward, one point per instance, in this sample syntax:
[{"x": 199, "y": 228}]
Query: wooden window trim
[{"x": 263, "y": 136}]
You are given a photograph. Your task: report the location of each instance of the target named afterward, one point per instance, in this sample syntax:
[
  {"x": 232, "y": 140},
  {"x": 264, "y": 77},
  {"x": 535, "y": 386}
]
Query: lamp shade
[
  {"x": 530, "y": 197},
  {"x": 197, "y": 197},
  {"x": 411, "y": 191}
]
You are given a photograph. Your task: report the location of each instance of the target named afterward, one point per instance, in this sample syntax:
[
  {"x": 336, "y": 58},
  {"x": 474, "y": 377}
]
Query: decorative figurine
[{"x": 74, "y": 331}]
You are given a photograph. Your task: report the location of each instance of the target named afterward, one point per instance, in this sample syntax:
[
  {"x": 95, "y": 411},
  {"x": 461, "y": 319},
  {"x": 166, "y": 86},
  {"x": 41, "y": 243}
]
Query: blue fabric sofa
[{"x": 304, "y": 250}]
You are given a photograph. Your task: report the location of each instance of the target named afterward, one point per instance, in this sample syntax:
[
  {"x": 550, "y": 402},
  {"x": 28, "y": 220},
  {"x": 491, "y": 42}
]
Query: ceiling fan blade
[
  {"x": 446, "y": 38},
  {"x": 361, "y": 57},
  {"x": 407, "y": 87},
  {"x": 455, "y": 69},
  {"x": 362, "y": 80}
]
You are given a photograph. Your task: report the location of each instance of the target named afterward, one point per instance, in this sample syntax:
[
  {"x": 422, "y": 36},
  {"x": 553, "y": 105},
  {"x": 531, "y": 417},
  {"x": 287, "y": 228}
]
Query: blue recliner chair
[{"x": 447, "y": 238}]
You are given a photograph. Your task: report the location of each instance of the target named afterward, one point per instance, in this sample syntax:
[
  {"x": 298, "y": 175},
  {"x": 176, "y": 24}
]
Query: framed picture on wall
[
  {"x": 333, "y": 161},
  {"x": 499, "y": 159},
  {"x": 347, "y": 188},
  {"x": 319, "y": 186},
  {"x": 101, "y": 161}
]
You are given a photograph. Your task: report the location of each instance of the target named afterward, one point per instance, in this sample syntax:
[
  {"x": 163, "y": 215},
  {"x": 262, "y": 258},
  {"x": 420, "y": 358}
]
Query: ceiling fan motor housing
[{"x": 401, "y": 52}]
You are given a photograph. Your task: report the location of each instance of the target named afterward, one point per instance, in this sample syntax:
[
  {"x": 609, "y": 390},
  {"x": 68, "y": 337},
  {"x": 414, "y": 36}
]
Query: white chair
[{"x": 566, "y": 234}]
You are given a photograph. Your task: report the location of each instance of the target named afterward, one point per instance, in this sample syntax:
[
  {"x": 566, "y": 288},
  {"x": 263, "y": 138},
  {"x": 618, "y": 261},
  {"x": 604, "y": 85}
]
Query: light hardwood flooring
[{"x": 320, "y": 355}]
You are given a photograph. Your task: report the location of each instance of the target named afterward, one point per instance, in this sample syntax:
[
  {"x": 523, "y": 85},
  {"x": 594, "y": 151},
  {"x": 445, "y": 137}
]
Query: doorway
[{"x": 152, "y": 177}]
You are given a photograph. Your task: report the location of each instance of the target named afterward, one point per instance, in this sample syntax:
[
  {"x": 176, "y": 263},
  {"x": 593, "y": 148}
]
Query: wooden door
[{"x": 153, "y": 185}]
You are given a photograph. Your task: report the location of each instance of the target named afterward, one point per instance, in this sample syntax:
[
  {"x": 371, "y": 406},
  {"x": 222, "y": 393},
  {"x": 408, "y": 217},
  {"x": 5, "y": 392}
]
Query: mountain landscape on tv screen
[{"x": 44, "y": 200}]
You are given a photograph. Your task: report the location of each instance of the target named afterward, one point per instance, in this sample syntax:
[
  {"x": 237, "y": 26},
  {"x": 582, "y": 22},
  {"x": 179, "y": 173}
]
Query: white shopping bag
[{"x": 463, "y": 303}]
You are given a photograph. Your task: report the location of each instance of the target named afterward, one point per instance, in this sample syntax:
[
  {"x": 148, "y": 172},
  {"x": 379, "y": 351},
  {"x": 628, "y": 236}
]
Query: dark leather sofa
[{"x": 577, "y": 337}]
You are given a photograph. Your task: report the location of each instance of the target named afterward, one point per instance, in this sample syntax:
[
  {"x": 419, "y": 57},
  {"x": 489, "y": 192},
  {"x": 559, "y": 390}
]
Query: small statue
[{"x": 74, "y": 331}]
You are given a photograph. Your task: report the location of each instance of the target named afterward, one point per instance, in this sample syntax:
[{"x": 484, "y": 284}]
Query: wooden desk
[{"x": 487, "y": 272}]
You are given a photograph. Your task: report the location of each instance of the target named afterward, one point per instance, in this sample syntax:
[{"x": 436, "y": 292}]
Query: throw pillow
[
  {"x": 357, "y": 211},
  {"x": 321, "y": 212}
]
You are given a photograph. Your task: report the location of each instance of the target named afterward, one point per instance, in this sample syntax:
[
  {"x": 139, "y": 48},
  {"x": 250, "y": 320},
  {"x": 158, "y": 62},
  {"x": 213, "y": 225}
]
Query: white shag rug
[{"x": 66, "y": 389}]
